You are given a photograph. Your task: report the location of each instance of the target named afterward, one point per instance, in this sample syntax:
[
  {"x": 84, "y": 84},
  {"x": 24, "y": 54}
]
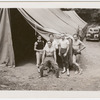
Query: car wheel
[{"x": 86, "y": 39}]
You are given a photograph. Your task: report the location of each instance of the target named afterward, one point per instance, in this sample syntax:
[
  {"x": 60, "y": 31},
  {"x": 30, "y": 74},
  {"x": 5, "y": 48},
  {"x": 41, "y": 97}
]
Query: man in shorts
[
  {"x": 38, "y": 47},
  {"x": 78, "y": 46}
]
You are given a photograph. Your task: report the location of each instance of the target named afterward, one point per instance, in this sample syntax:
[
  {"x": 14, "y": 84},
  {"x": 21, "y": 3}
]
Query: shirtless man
[
  {"x": 49, "y": 56},
  {"x": 78, "y": 46}
]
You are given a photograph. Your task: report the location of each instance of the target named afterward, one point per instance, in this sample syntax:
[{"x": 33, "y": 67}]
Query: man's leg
[
  {"x": 78, "y": 61},
  {"x": 77, "y": 67},
  {"x": 78, "y": 58},
  {"x": 55, "y": 66},
  {"x": 42, "y": 67},
  {"x": 37, "y": 59},
  {"x": 67, "y": 64},
  {"x": 63, "y": 63},
  {"x": 58, "y": 58}
]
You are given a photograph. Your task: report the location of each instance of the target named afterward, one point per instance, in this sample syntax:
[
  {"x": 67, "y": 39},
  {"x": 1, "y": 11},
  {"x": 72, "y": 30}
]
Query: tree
[{"x": 89, "y": 15}]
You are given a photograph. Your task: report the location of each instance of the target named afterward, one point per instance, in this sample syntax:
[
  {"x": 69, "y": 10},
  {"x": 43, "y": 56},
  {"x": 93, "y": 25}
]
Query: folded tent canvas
[
  {"x": 6, "y": 48},
  {"x": 43, "y": 21}
]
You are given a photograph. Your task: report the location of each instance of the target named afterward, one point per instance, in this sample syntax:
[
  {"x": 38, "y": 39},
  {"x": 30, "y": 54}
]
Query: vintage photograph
[{"x": 50, "y": 49}]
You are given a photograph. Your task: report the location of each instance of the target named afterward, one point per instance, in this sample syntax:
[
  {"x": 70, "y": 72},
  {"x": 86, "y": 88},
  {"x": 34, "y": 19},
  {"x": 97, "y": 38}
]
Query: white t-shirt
[
  {"x": 64, "y": 43},
  {"x": 54, "y": 44},
  {"x": 49, "y": 51}
]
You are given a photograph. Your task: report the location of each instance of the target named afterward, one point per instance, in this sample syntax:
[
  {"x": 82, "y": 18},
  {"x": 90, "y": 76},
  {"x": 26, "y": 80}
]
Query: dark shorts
[
  {"x": 63, "y": 50},
  {"x": 75, "y": 52}
]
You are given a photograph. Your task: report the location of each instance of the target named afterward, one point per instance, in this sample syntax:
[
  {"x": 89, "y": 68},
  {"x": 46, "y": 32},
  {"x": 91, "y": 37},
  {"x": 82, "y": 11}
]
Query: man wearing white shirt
[
  {"x": 49, "y": 56},
  {"x": 53, "y": 41},
  {"x": 63, "y": 52},
  {"x": 55, "y": 45}
]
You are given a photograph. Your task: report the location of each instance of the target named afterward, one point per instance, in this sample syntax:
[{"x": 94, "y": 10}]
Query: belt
[{"x": 49, "y": 56}]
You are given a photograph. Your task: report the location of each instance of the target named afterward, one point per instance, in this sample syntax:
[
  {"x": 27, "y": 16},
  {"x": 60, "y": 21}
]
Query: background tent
[
  {"x": 73, "y": 15},
  {"x": 66, "y": 19},
  {"x": 17, "y": 34},
  {"x": 47, "y": 19}
]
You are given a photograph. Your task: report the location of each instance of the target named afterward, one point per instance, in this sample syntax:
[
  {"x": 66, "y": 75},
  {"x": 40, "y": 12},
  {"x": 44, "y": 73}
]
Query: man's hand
[
  {"x": 40, "y": 50},
  {"x": 55, "y": 62},
  {"x": 42, "y": 63},
  {"x": 59, "y": 54},
  {"x": 65, "y": 54},
  {"x": 78, "y": 51}
]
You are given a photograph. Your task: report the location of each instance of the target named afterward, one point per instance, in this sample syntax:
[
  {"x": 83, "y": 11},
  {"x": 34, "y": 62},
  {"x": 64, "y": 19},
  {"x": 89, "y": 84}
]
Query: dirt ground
[{"x": 26, "y": 77}]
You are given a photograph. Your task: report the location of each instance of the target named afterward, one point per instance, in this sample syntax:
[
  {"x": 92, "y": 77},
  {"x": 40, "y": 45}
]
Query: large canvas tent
[
  {"x": 74, "y": 16},
  {"x": 16, "y": 34}
]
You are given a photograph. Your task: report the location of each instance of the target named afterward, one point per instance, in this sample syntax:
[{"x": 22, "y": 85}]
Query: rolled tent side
[{"x": 6, "y": 46}]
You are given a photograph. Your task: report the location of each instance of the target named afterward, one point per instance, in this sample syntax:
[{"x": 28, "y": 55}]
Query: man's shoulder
[
  {"x": 67, "y": 41},
  {"x": 53, "y": 48},
  {"x": 36, "y": 43},
  {"x": 42, "y": 41},
  {"x": 79, "y": 41},
  {"x": 60, "y": 40},
  {"x": 55, "y": 41}
]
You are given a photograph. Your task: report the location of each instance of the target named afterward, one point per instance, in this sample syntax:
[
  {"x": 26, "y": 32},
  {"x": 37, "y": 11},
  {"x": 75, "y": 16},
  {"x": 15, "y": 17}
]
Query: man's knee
[
  {"x": 41, "y": 67},
  {"x": 56, "y": 67}
]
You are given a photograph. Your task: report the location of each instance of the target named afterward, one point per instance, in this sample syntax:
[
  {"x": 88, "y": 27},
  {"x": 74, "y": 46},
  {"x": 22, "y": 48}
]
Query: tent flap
[{"x": 6, "y": 48}]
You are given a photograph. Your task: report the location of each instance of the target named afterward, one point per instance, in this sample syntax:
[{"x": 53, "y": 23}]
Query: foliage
[{"x": 89, "y": 15}]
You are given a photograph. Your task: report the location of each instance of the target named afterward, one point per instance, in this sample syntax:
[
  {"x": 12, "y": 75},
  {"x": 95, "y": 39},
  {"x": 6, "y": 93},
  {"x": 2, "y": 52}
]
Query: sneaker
[
  {"x": 38, "y": 70},
  {"x": 64, "y": 70},
  {"x": 76, "y": 72},
  {"x": 68, "y": 72},
  {"x": 58, "y": 77},
  {"x": 80, "y": 71}
]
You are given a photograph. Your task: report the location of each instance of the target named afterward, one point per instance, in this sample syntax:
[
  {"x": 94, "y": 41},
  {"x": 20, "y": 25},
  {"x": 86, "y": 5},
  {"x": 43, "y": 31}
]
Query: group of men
[{"x": 46, "y": 55}]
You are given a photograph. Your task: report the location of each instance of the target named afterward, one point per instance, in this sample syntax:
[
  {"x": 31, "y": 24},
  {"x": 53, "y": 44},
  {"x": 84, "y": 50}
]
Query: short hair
[
  {"x": 49, "y": 41},
  {"x": 51, "y": 34},
  {"x": 75, "y": 35},
  {"x": 39, "y": 35},
  {"x": 62, "y": 34}
]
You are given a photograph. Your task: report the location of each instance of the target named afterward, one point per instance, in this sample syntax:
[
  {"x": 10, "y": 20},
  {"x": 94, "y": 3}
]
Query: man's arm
[
  {"x": 55, "y": 56},
  {"x": 82, "y": 46},
  {"x": 43, "y": 43},
  {"x": 66, "y": 50},
  {"x": 43, "y": 56},
  {"x": 35, "y": 44},
  {"x": 59, "y": 47}
]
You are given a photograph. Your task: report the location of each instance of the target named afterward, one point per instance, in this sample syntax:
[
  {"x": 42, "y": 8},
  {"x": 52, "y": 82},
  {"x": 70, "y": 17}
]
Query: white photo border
[{"x": 49, "y": 94}]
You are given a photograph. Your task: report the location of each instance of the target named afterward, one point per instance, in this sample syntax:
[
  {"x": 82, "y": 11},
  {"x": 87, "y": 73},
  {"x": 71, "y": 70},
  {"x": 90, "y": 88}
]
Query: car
[{"x": 93, "y": 34}]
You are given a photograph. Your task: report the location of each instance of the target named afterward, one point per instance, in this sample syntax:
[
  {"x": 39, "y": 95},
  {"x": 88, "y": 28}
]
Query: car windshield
[
  {"x": 92, "y": 30},
  {"x": 95, "y": 30}
]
